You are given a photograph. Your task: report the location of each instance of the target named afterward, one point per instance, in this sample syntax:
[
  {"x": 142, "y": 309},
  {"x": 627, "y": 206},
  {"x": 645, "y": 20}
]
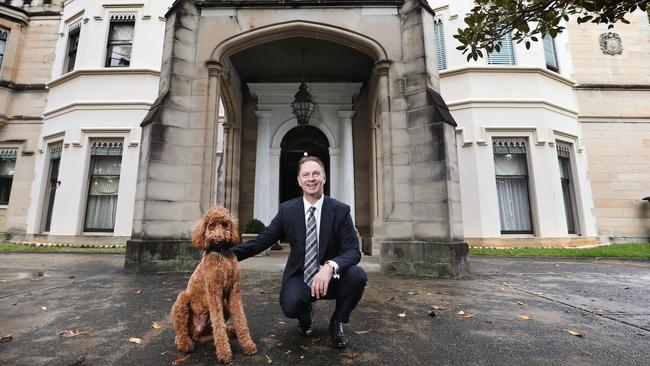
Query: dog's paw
[
  {"x": 224, "y": 355},
  {"x": 185, "y": 345},
  {"x": 249, "y": 348}
]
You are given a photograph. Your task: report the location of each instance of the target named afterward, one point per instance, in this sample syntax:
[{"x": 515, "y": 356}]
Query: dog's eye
[
  {"x": 224, "y": 225},
  {"x": 212, "y": 227}
]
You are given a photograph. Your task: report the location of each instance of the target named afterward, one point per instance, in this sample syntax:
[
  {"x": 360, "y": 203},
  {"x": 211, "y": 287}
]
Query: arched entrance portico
[{"x": 398, "y": 162}]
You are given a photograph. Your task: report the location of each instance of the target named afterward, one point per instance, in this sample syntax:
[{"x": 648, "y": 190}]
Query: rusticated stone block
[
  {"x": 433, "y": 259},
  {"x": 160, "y": 256}
]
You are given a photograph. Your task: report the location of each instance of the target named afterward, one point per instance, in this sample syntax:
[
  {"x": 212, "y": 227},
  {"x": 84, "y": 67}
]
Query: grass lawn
[
  {"x": 7, "y": 247},
  {"x": 610, "y": 251}
]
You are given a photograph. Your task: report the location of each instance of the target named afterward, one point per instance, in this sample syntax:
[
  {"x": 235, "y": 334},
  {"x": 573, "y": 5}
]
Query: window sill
[
  {"x": 97, "y": 233},
  {"x": 4, "y": 207}
]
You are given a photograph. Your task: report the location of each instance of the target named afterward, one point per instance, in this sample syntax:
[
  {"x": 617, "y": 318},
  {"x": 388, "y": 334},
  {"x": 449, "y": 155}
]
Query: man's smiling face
[{"x": 311, "y": 179}]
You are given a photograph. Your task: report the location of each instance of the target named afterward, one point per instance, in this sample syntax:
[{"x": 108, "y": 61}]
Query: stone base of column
[
  {"x": 155, "y": 256},
  {"x": 431, "y": 259}
]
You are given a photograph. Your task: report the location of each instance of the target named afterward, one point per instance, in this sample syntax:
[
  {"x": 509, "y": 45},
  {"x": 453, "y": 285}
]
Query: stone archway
[{"x": 415, "y": 172}]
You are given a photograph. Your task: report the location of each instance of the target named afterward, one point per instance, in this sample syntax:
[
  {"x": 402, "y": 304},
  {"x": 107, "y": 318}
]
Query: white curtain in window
[
  {"x": 102, "y": 193},
  {"x": 122, "y": 32},
  {"x": 512, "y": 190},
  {"x": 7, "y": 167}
]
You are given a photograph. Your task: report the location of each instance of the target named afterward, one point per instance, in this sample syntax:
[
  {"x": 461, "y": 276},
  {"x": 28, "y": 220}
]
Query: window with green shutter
[
  {"x": 506, "y": 55},
  {"x": 440, "y": 44},
  {"x": 549, "y": 53}
]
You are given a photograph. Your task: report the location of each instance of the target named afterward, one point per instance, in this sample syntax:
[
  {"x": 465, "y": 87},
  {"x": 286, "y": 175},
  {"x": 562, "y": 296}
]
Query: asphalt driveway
[{"x": 516, "y": 311}]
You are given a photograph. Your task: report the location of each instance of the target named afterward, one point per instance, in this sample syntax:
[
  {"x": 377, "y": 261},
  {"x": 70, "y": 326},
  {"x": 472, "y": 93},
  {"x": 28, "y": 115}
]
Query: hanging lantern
[{"x": 302, "y": 105}]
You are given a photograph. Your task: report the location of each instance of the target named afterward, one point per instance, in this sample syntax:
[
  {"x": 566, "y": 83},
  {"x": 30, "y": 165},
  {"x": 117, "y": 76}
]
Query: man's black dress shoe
[
  {"x": 337, "y": 336},
  {"x": 304, "y": 324}
]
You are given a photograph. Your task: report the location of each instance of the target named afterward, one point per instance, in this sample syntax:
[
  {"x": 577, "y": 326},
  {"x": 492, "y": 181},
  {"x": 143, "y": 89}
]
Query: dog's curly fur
[{"x": 213, "y": 291}]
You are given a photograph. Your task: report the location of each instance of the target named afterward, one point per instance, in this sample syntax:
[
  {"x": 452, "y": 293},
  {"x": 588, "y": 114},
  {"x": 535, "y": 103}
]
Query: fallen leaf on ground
[
  {"x": 155, "y": 325},
  {"x": 281, "y": 322},
  {"x": 44, "y": 308},
  {"x": 7, "y": 338},
  {"x": 268, "y": 359},
  {"x": 414, "y": 292},
  {"x": 288, "y": 352},
  {"x": 574, "y": 333},
  {"x": 539, "y": 293},
  {"x": 525, "y": 317},
  {"x": 432, "y": 314},
  {"x": 180, "y": 360},
  {"x": 520, "y": 303},
  {"x": 363, "y": 331},
  {"x": 390, "y": 298},
  {"x": 302, "y": 357},
  {"x": 70, "y": 333},
  {"x": 303, "y": 347},
  {"x": 262, "y": 292},
  {"x": 4, "y": 281},
  {"x": 351, "y": 355},
  {"x": 401, "y": 315},
  {"x": 138, "y": 292},
  {"x": 135, "y": 340},
  {"x": 437, "y": 307},
  {"x": 465, "y": 314},
  {"x": 279, "y": 344},
  {"x": 316, "y": 340}
]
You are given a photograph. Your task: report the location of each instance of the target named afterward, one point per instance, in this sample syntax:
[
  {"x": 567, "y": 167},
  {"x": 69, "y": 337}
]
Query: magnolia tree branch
[{"x": 530, "y": 20}]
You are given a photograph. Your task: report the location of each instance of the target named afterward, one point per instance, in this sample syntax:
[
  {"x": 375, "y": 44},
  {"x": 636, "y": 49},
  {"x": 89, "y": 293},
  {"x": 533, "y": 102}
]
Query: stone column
[
  {"x": 211, "y": 192},
  {"x": 422, "y": 219},
  {"x": 346, "y": 177},
  {"x": 262, "y": 197},
  {"x": 335, "y": 171}
]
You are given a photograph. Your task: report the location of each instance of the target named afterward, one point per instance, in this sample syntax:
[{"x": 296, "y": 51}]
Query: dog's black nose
[{"x": 221, "y": 242}]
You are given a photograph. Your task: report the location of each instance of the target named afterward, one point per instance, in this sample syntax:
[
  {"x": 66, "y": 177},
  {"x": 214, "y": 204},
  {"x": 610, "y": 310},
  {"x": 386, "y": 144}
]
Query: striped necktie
[{"x": 311, "y": 248}]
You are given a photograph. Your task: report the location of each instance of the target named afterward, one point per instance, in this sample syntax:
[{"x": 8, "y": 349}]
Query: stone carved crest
[{"x": 611, "y": 44}]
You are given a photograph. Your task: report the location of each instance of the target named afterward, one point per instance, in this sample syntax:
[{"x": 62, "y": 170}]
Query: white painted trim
[
  {"x": 496, "y": 69},
  {"x": 94, "y": 105},
  {"x": 455, "y": 105},
  {"x": 102, "y": 71}
]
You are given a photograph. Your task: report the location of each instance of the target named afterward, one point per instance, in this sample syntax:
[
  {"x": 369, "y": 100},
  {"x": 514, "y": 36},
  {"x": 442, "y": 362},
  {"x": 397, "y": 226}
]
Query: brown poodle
[{"x": 213, "y": 292}]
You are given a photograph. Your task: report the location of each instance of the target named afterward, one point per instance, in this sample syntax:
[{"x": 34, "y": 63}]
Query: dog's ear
[
  {"x": 234, "y": 232},
  {"x": 198, "y": 235}
]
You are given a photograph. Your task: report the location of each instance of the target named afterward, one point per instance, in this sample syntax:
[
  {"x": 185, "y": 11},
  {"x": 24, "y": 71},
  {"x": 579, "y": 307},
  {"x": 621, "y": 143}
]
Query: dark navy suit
[{"x": 337, "y": 242}]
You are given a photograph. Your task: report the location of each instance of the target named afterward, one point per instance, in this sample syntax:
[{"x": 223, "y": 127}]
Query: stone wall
[
  {"x": 27, "y": 67},
  {"x": 613, "y": 93}
]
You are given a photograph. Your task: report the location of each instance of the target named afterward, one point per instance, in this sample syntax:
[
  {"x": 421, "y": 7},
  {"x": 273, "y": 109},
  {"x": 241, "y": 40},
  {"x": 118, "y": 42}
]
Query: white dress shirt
[{"x": 317, "y": 213}]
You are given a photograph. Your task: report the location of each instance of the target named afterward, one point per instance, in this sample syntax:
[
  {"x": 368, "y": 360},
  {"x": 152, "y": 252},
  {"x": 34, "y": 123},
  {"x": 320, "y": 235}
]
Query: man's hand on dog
[{"x": 321, "y": 281}]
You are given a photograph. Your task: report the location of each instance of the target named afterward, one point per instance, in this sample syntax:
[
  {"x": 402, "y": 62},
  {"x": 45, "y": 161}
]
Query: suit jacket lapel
[
  {"x": 302, "y": 226},
  {"x": 326, "y": 223}
]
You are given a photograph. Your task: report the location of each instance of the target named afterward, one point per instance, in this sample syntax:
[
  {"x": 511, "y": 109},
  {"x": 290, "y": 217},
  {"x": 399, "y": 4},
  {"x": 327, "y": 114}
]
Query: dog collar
[{"x": 220, "y": 251}]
